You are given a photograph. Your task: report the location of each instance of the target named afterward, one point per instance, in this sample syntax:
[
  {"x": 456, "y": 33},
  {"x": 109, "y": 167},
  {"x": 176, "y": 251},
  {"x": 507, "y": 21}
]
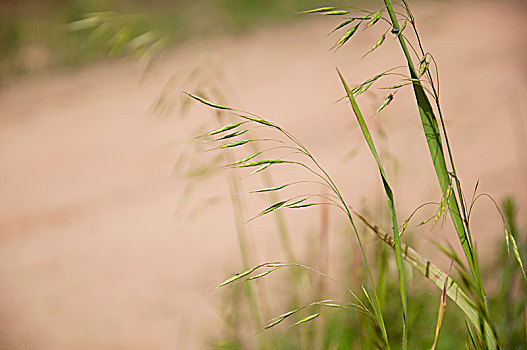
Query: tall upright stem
[{"x": 433, "y": 138}]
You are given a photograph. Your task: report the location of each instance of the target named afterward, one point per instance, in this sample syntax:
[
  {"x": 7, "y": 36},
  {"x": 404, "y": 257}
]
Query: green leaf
[
  {"x": 391, "y": 202},
  {"x": 346, "y": 36},
  {"x": 308, "y": 318},
  {"x": 437, "y": 276},
  {"x": 225, "y": 128}
]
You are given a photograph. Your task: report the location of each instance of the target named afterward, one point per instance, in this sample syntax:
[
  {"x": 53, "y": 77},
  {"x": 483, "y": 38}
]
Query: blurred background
[{"x": 114, "y": 222}]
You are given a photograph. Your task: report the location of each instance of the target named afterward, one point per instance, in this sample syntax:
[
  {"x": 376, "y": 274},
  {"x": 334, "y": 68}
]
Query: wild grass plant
[{"x": 368, "y": 318}]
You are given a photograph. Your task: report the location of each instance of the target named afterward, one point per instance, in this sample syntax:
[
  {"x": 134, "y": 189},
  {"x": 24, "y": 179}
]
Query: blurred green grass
[
  {"x": 34, "y": 35},
  {"x": 349, "y": 329}
]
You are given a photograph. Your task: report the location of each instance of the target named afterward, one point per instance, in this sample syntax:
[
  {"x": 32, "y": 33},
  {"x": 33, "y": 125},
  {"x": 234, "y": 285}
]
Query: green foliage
[{"x": 460, "y": 306}]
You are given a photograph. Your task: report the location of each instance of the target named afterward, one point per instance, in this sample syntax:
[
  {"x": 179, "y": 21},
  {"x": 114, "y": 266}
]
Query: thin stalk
[
  {"x": 391, "y": 204},
  {"x": 244, "y": 249},
  {"x": 285, "y": 241},
  {"x": 244, "y": 252},
  {"x": 433, "y": 137},
  {"x": 329, "y": 181},
  {"x": 437, "y": 276}
]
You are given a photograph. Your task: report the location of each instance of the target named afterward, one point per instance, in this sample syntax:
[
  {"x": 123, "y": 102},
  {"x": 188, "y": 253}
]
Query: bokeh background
[{"x": 115, "y": 225}]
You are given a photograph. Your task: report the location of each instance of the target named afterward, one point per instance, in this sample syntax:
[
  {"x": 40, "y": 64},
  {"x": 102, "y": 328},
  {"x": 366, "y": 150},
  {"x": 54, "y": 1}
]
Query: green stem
[
  {"x": 391, "y": 204},
  {"x": 432, "y": 134}
]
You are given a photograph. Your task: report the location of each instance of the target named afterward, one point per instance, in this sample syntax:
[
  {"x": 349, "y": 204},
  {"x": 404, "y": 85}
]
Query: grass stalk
[
  {"x": 433, "y": 138},
  {"x": 322, "y": 175},
  {"x": 437, "y": 276},
  {"x": 391, "y": 204},
  {"x": 244, "y": 252}
]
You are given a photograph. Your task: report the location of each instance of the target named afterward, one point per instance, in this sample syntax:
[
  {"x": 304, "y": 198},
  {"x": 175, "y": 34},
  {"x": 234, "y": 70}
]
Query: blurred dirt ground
[{"x": 95, "y": 252}]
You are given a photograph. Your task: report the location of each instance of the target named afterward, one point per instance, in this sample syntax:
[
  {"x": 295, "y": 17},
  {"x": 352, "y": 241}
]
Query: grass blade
[
  {"x": 391, "y": 204},
  {"x": 433, "y": 138},
  {"x": 437, "y": 276}
]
